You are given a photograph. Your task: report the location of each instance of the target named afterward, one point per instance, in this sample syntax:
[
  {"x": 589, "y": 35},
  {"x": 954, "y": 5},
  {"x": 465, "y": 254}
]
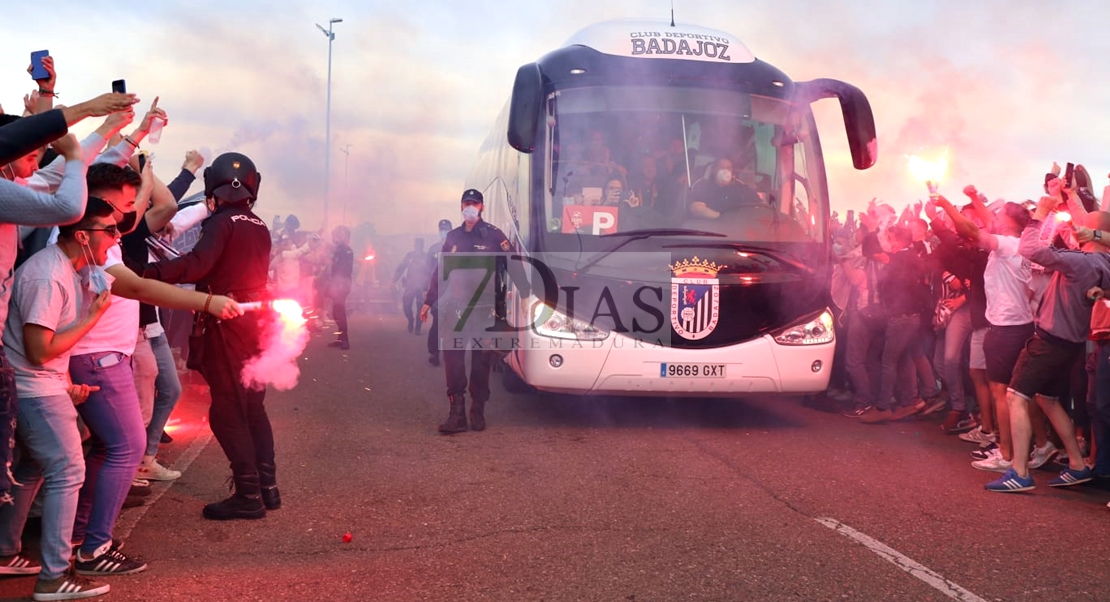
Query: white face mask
[
  {"x": 470, "y": 214},
  {"x": 724, "y": 176},
  {"x": 93, "y": 274}
]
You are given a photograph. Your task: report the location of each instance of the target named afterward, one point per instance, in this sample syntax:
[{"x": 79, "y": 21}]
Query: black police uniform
[
  {"x": 232, "y": 258},
  {"x": 483, "y": 237},
  {"x": 433, "y": 265},
  {"x": 342, "y": 270}
]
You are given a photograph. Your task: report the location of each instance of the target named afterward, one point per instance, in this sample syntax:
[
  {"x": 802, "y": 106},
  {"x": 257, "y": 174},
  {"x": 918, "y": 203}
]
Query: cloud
[{"x": 996, "y": 83}]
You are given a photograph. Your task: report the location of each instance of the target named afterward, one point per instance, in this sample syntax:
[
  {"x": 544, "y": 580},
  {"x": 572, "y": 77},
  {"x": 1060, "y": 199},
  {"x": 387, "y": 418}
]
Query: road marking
[
  {"x": 128, "y": 520},
  {"x": 903, "y": 562}
]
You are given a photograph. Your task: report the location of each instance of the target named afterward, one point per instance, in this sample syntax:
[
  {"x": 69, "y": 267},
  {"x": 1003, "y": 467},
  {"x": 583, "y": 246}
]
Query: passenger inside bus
[{"x": 721, "y": 192}]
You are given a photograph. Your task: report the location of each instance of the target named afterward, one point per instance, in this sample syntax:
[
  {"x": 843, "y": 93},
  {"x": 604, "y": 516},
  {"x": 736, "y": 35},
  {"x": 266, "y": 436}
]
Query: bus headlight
[
  {"x": 549, "y": 322},
  {"x": 815, "y": 329}
]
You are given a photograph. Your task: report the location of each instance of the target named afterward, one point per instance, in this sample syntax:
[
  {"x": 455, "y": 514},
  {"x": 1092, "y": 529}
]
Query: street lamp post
[
  {"x": 327, "y": 126},
  {"x": 346, "y": 191}
]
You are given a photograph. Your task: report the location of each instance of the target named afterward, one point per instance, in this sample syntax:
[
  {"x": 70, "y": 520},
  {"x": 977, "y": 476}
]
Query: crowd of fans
[
  {"x": 88, "y": 373},
  {"x": 992, "y": 312}
]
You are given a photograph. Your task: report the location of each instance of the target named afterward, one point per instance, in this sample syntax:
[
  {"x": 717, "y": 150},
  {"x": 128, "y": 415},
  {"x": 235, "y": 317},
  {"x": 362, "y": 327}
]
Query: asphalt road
[{"x": 595, "y": 499}]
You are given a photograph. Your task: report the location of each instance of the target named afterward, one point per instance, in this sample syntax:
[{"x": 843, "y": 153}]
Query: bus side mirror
[
  {"x": 859, "y": 121},
  {"x": 525, "y": 108}
]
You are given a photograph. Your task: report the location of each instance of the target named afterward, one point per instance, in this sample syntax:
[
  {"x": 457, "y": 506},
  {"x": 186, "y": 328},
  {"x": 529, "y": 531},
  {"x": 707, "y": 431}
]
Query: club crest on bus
[{"x": 695, "y": 298}]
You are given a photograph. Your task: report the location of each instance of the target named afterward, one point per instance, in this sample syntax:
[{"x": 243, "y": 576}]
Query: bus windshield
[{"x": 631, "y": 158}]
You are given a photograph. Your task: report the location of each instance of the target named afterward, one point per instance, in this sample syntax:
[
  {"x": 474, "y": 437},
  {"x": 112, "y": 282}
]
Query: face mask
[
  {"x": 724, "y": 176},
  {"x": 470, "y": 214},
  {"x": 92, "y": 274}
]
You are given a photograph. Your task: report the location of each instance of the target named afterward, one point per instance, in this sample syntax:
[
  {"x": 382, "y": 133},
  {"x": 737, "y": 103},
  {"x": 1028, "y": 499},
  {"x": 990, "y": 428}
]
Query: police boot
[
  {"x": 477, "y": 419},
  {"x": 245, "y": 503},
  {"x": 267, "y": 478},
  {"x": 456, "y": 420}
]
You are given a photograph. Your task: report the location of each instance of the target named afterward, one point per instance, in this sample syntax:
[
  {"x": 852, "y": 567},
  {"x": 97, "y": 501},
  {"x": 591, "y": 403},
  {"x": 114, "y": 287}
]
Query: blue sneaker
[
  {"x": 1010, "y": 482},
  {"x": 1072, "y": 477}
]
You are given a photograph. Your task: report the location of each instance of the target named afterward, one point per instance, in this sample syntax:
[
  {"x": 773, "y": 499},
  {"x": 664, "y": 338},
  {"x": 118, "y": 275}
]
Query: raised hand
[{"x": 151, "y": 114}]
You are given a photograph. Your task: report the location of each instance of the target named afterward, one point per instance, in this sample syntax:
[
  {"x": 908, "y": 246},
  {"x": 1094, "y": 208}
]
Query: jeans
[
  {"x": 52, "y": 459},
  {"x": 1100, "y": 411},
  {"x": 146, "y": 371},
  {"x": 863, "y": 334},
  {"x": 167, "y": 390},
  {"x": 898, "y": 370},
  {"x": 118, "y": 442},
  {"x": 955, "y": 341},
  {"x": 9, "y": 406}
]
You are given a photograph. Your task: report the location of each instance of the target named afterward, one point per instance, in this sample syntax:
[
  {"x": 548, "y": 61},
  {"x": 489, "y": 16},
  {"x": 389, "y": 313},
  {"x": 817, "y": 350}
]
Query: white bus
[{"x": 609, "y": 150}]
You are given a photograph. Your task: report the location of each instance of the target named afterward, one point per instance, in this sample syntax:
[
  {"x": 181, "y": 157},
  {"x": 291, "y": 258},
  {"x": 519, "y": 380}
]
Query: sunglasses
[{"x": 113, "y": 230}]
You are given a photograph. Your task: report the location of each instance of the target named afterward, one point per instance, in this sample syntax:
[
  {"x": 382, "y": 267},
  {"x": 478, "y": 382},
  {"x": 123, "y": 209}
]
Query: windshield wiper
[
  {"x": 649, "y": 232},
  {"x": 634, "y": 235},
  {"x": 776, "y": 254}
]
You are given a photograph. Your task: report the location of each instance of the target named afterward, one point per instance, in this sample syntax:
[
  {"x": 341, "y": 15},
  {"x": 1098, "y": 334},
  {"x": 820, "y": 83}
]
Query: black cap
[
  {"x": 444, "y": 224},
  {"x": 471, "y": 195}
]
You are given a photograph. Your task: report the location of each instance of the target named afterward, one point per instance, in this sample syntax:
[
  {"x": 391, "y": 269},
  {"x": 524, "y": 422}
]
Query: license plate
[{"x": 692, "y": 370}]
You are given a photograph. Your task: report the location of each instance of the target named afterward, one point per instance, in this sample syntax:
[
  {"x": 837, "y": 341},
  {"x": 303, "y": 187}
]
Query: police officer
[
  {"x": 473, "y": 236},
  {"x": 232, "y": 258},
  {"x": 434, "y": 251}
]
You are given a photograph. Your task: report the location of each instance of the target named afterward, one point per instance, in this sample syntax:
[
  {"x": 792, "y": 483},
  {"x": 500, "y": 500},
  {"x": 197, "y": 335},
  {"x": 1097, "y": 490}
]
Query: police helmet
[
  {"x": 445, "y": 225},
  {"x": 232, "y": 178}
]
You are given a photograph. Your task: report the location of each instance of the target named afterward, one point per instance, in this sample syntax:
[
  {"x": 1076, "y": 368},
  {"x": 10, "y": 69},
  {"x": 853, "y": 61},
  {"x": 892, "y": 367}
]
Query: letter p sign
[{"x": 604, "y": 222}]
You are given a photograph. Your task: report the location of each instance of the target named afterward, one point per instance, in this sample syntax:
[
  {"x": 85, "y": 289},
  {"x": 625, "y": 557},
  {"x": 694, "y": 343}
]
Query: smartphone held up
[{"x": 38, "y": 70}]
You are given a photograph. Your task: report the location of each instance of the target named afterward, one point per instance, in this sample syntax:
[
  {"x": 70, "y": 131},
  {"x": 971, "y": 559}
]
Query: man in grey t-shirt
[{"x": 50, "y": 311}]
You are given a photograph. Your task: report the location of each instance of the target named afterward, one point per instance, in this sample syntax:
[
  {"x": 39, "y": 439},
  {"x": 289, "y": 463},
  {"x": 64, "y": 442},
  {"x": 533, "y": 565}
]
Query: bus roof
[{"x": 659, "y": 40}]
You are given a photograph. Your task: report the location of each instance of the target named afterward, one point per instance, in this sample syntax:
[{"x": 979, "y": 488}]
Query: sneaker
[
  {"x": 983, "y": 452},
  {"x": 874, "y": 415},
  {"x": 109, "y": 560},
  {"x": 841, "y": 395},
  {"x": 19, "y": 565},
  {"x": 958, "y": 422},
  {"x": 906, "y": 411},
  {"x": 1010, "y": 482},
  {"x": 1072, "y": 477},
  {"x": 857, "y": 411},
  {"x": 1041, "y": 455},
  {"x": 151, "y": 470},
  {"x": 139, "y": 487},
  {"x": 69, "y": 587},
  {"x": 133, "y": 501},
  {"x": 932, "y": 406},
  {"x": 993, "y": 463},
  {"x": 977, "y": 435}
]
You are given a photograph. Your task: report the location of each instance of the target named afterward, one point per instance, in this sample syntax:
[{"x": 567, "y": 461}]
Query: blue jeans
[
  {"x": 119, "y": 440},
  {"x": 955, "y": 337},
  {"x": 9, "y": 405},
  {"x": 167, "y": 390},
  {"x": 898, "y": 372},
  {"x": 52, "y": 453}
]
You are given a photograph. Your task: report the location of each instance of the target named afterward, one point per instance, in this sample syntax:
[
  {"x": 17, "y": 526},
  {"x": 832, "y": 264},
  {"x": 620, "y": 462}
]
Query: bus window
[{"x": 642, "y": 157}]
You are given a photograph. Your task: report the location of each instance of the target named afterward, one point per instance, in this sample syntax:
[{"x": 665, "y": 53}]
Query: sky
[{"x": 1007, "y": 87}]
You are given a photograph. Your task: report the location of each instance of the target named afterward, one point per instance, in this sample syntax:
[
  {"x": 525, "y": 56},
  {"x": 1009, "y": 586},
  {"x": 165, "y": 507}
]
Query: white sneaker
[
  {"x": 1041, "y": 455},
  {"x": 976, "y": 435},
  {"x": 994, "y": 462},
  {"x": 151, "y": 470}
]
